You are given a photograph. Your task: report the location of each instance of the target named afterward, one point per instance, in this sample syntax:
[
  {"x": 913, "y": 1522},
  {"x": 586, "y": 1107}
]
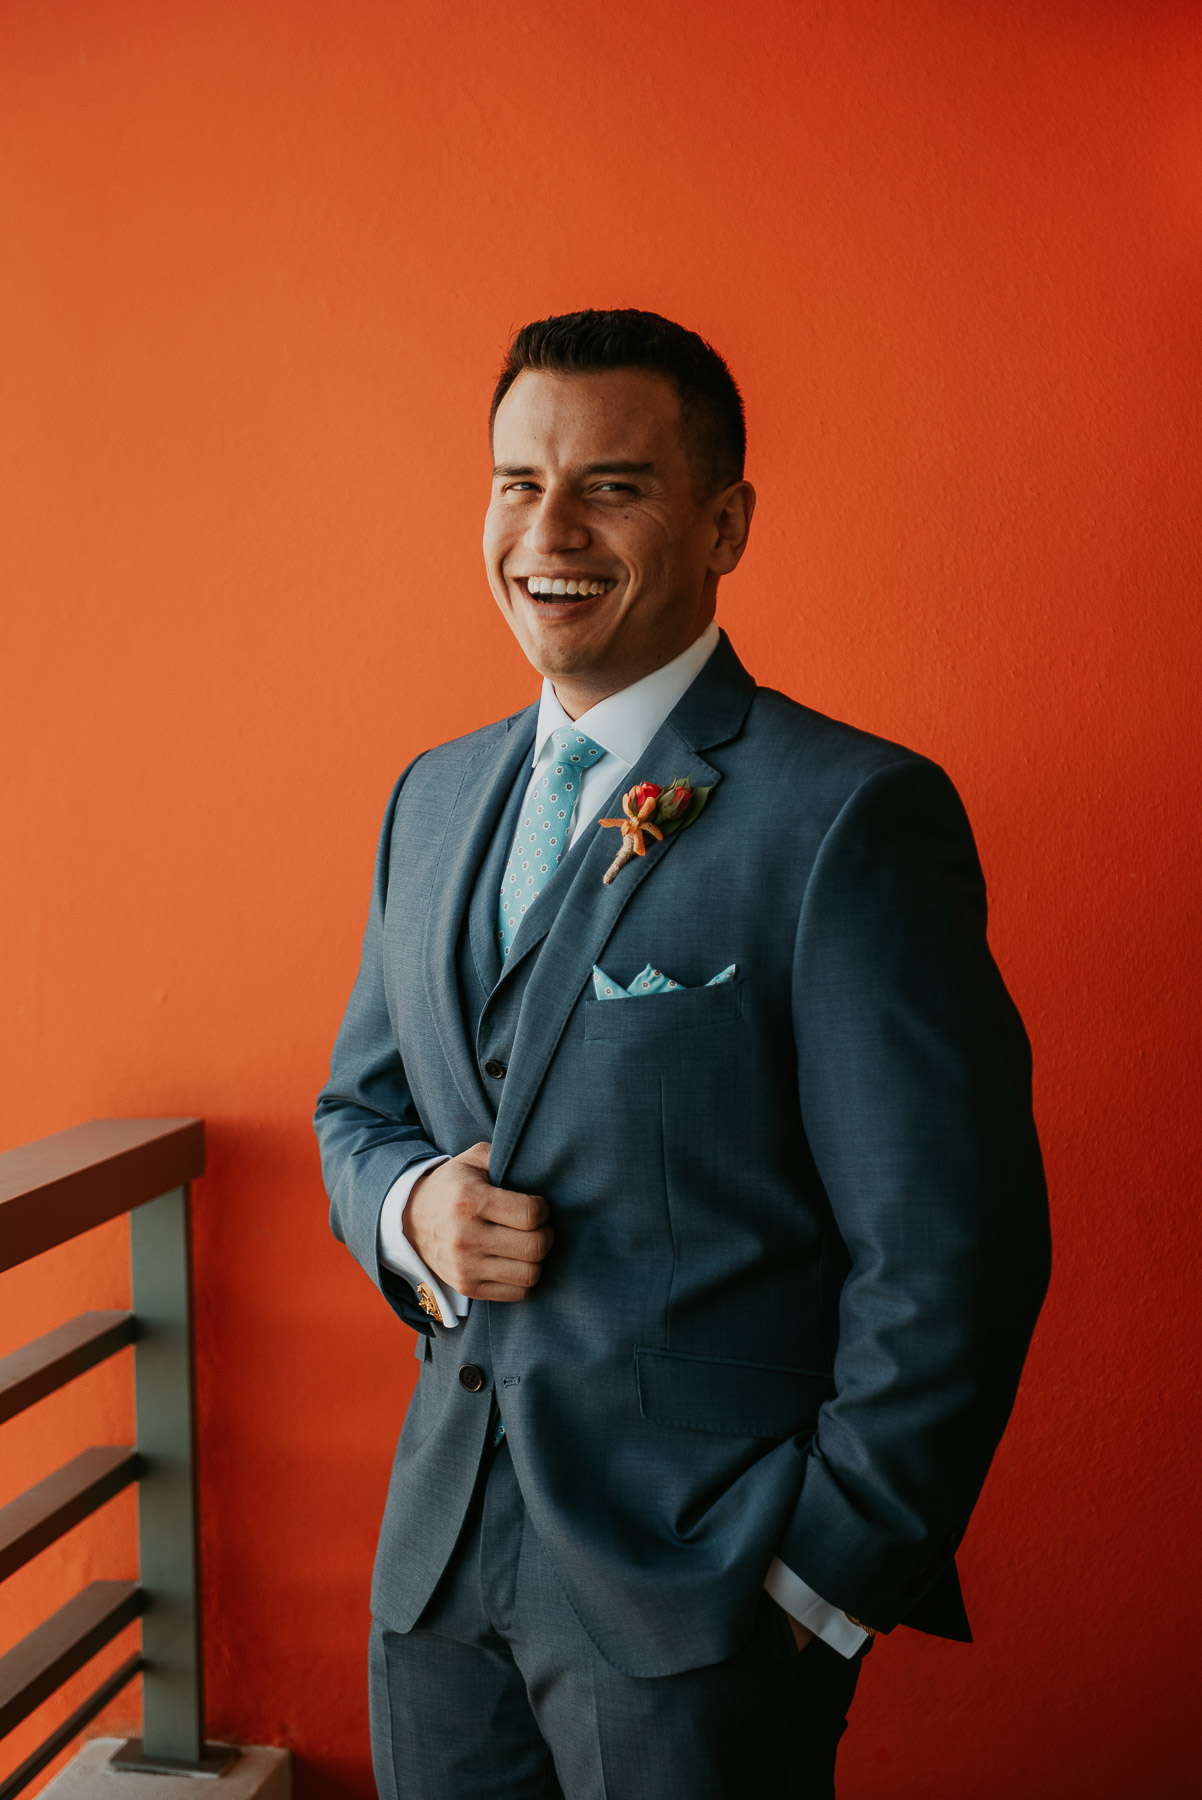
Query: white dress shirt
[{"x": 623, "y": 724}]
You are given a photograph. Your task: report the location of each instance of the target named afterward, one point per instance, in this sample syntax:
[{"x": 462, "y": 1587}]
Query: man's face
[{"x": 599, "y": 554}]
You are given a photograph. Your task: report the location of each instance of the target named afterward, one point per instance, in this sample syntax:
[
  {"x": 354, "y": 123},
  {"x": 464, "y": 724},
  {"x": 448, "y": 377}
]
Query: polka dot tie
[{"x": 544, "y": 829}]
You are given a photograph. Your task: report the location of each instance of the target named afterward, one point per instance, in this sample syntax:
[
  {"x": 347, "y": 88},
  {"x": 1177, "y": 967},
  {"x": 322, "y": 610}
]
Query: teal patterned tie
[{"x": 546, "y": 825}]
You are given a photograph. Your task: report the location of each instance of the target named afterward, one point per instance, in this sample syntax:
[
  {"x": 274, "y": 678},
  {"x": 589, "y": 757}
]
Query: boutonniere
[{"x": 652, "y": 811}]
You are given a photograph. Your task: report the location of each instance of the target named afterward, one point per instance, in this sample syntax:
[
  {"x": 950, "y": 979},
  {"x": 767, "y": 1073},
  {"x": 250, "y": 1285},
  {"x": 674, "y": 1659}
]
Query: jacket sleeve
[
  {"x": 367, "y": 1124},
  {"x": 915, "y": 1086}
]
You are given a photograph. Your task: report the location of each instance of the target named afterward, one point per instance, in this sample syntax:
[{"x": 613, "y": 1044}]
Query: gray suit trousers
[{"x": 497, "y": 1693}]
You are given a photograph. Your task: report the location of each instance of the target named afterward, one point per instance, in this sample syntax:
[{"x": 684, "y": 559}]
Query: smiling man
[
  {"x": 606, "y": 538},
  {"x": 705, "y": 1170}
]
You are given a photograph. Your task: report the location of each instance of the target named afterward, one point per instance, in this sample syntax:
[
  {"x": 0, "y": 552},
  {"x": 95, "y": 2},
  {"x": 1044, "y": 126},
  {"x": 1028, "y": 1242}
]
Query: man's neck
[
  {"x": 579, "y": 693},
  {"x": 577, "y": 698}
]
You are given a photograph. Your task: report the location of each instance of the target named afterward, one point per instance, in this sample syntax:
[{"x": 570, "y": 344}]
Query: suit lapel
[
  {"x": 576, "y": 913},
  {"x": 486, "y": 884},
  {"x": 459, "y": 882}
]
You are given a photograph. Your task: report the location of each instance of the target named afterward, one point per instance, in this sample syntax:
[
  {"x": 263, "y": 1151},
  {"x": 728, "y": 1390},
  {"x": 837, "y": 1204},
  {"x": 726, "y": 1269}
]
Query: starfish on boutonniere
[{"x": 650, "y": 809}]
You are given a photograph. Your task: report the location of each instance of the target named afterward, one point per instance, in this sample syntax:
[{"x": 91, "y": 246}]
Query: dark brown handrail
[
  {"x": 27, "y": 1375},
  {"x": 52, "y": 1190},
  {"x": 71, "y": 1726},
  {"x": 51, "y": 1507},
  {"x": 33, "y": 1669}
]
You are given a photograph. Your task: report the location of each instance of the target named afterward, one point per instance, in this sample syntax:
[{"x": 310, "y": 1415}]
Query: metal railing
[{"x": 50, "y": 1192}]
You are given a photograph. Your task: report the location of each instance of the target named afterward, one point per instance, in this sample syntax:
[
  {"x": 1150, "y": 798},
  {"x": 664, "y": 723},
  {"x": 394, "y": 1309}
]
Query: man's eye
[
  {"x": 617, "y": 487},
  {"x": 516, "y": 487}
]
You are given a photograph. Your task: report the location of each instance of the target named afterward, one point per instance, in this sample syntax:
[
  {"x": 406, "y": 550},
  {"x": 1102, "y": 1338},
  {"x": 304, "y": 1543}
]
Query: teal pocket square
[{"x": 650, "y": 981}]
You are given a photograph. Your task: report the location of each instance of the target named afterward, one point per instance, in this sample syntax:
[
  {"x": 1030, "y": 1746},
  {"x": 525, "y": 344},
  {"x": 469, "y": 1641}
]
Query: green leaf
[{"x": 700, "y": 796}]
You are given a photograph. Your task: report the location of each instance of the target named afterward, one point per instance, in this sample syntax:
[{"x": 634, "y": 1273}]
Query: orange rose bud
[
  {"x": 646, "y": 790},
  {"x": 675, "y": 803}
]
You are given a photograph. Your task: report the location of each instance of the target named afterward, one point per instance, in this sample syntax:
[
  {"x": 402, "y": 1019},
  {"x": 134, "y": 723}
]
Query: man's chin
[
  {"x": 562, "y": 646},
  {"x": 561, "y": 661}
]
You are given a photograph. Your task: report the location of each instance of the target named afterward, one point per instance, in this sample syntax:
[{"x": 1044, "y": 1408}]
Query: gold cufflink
[{"x": 427, "y": 1302}]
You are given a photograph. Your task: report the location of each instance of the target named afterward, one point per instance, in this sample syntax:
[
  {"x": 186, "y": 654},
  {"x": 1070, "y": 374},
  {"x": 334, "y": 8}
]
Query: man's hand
[{"x": 487, "y": 1242}]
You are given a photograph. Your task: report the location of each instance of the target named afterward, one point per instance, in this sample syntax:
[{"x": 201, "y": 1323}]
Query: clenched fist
[{"x": 485, "y": 1241}]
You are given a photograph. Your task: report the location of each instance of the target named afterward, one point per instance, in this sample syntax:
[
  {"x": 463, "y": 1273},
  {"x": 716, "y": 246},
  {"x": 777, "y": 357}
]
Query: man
[{"x": 681, "y": 1109}]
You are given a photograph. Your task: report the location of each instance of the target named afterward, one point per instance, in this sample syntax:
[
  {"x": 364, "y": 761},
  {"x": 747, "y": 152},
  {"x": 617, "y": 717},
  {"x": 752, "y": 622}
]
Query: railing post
[
  {"x": 172, "y": 1683},
  {"x": 173, "y": 1676}
]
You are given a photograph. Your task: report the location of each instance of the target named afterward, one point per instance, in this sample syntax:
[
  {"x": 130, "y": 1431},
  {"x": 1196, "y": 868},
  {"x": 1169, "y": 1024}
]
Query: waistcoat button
[
  {"x": 495, "y": 1069},
  {"x": 471, "y": 1378}
]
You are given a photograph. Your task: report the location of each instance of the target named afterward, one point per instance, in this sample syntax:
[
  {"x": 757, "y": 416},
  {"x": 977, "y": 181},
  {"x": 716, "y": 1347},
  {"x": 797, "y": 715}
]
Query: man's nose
[{"x": 558, "y": 524}]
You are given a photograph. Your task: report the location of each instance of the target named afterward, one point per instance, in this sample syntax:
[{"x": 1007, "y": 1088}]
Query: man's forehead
[{"x": 619, "y": 413}]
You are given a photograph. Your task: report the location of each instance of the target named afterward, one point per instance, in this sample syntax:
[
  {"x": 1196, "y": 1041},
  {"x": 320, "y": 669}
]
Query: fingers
[
  {"x": 496, "y": 1290},
  {"x": 475, "y": 1204},
  {"x": 520, "y": 1212},
  {"x": 516, "y": 1246},
  {"x": 496, "y": 1278},
  {"x": 487, "y": 1242},
  {"x": 513, "y": 1258},
  {"x": 502, "y": 1206},
  {"x": 523, "y": 1275}
]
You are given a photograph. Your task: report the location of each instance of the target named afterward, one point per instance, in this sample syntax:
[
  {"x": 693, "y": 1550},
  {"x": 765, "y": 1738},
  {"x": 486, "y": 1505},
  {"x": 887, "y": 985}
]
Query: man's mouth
[{"x": 560, "y": 587}]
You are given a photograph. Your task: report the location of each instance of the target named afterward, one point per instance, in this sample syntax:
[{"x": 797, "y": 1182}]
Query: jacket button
[
  {"x": 471, "y": 1378},
  {"x": 495, "y": 1069}
]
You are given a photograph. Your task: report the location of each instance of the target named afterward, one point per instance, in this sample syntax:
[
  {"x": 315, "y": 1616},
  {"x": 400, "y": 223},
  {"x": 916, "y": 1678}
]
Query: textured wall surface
[{"x": 259, "y": 261}]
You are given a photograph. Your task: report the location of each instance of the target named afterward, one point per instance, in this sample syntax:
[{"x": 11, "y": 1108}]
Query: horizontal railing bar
[
  {"x": 71, "y": 1727},
  {"x": 59, "y": 1186},
  {"x": 50, "y": 1362},
  {"x": 32, "y": 1670},
  {"x": 51, "y": 1507}
]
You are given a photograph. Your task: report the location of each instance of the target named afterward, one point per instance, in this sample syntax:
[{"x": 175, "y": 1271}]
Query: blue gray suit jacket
[{"x": 800, "y": 1219}]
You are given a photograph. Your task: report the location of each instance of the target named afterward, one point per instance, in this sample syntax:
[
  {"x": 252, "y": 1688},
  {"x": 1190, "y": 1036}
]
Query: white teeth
[{"x": 544, "y": 584}]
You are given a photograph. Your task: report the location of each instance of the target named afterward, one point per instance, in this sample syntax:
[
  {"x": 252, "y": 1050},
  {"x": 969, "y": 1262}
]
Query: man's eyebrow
[{"x": 596, "y": 468}]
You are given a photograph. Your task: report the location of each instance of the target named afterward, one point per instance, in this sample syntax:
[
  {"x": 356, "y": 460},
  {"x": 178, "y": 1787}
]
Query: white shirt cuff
[
  {"x": 812, "y": 1611},
  {"x": 397, "y": 1253}
]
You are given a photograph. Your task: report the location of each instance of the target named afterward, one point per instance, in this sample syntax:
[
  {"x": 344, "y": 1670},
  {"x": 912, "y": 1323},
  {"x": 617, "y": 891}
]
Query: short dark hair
[{"x": 712, "y": 425}]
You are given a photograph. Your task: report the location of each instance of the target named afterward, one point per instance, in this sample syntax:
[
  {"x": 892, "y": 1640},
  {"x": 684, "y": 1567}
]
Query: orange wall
[{"x": 259, "y": 261}]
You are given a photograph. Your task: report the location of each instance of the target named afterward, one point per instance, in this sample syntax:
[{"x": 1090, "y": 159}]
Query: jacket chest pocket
[{"x": 650, "y": 1017}]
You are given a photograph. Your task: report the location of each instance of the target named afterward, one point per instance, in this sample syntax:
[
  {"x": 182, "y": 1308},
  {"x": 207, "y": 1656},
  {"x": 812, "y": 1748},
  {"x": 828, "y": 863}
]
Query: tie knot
[{"x": 575, "y": 747}]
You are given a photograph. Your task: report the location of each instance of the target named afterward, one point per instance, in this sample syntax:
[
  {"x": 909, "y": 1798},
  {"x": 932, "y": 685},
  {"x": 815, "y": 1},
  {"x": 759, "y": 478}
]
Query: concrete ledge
[{"x": 258, "y": 1774}]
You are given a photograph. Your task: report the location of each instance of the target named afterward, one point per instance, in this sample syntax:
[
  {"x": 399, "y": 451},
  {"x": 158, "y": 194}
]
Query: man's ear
[{"x": 731, "y": 513}]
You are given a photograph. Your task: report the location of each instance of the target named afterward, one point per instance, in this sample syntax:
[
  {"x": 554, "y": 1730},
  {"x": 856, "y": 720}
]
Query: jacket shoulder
[
  {"x": 825, "y": 752},
  {"x": 443, "y": 761}
]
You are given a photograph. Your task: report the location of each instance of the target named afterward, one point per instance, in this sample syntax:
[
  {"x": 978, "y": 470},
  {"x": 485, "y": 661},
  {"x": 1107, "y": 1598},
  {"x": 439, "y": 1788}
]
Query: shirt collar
[{"x": 625, "y": 723}]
